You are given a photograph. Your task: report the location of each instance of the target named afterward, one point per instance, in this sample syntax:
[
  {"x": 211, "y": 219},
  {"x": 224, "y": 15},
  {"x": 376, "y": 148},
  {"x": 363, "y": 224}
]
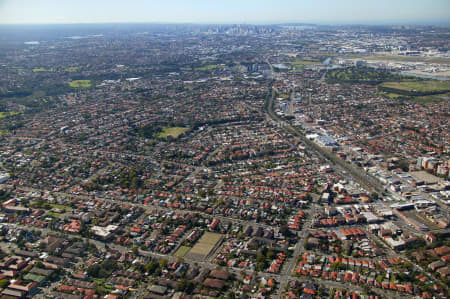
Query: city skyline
[{"x": 435, "y": 12}]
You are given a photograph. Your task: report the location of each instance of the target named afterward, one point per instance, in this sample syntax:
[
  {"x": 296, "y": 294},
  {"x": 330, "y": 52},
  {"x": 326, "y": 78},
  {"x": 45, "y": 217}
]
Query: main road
[{"x": 344, "y": 167}]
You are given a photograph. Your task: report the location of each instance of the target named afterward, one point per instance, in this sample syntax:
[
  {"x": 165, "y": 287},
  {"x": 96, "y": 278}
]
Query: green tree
[
  {"x": 184, "y": 285},
  {"x": 271, "y": 254},
  {"x": 4, "y": 283},
  {"x": 284, "y": 230},
  {"x": 230, "y": 295},
  {"x": 162, "y": 263},
  {"x": 151, "y": 267},
  {"x": 93, "y": 270}
]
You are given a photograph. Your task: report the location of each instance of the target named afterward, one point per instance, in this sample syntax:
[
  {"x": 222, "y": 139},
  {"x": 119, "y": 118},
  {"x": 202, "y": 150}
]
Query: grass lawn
[
  {"x": 80, "y": 84},
  {"x": 431, "y": 99},
  {"x": 209, "y": 67},
  {"x": 41, "y": 69},
  {"x": 53, "y": 214},
  {"x": 61, "y": 207},
  {"x": 419, "y": 86},
  {"x": 181, "y": 252},
  {"x": 303, "y": 63},
  {"x": 392, "y": 95},
  {"x": 172, "y": 131},
  {"x": 73, "y": 69},
  {"x": 6, "y": 114}
]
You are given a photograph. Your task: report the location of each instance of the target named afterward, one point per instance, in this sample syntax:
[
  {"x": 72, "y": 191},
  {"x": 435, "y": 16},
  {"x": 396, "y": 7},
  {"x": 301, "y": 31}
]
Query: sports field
[
  {"x": 209, "y": 67},
  {"x": 80, "y": 84},
  {"x": 419, "y": 86},
  {"x": 172, "y": 131},
  {"x": 181, "y": 252},
  {"x": 41, "y": 69},
  {"x": 204, "y": 246}
]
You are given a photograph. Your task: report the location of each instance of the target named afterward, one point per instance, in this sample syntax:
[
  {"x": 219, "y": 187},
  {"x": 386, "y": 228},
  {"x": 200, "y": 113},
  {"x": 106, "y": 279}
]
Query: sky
[{"x": 226, "y": 11}]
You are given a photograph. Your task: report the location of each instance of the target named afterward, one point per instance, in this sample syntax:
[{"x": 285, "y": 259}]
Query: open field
[
  {"x": 392, "y": 95},
  {"x": 6, "y": 114},
  {"x": 80, "y": 84},
  {"x": 41, "y": 69},
  {"x": 429, "y": 99},
  {"x": 432, "y": 99},
  {"x": 73, "y": 69},
  {"x": 53, "y": 214},
  {"x": 303, "y": 63},
  {"x": 172, "y": 131},
  {"x": 204, "y": 246},
  {"x": 419, "y": 86},
  {"x": 60, "y": 207},
  {"x": 209, "y": 67},
  {"x": 290, "y": 54},
  {"x": 182, "y": 251}
]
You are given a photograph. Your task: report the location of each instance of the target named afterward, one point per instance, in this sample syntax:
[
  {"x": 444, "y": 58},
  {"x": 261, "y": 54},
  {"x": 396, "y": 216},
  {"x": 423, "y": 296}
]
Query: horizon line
[{"x": 333, "y": 23}]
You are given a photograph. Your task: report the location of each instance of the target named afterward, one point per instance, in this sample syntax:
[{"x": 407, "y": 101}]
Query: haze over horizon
[{"x": 432, "y": 12}]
